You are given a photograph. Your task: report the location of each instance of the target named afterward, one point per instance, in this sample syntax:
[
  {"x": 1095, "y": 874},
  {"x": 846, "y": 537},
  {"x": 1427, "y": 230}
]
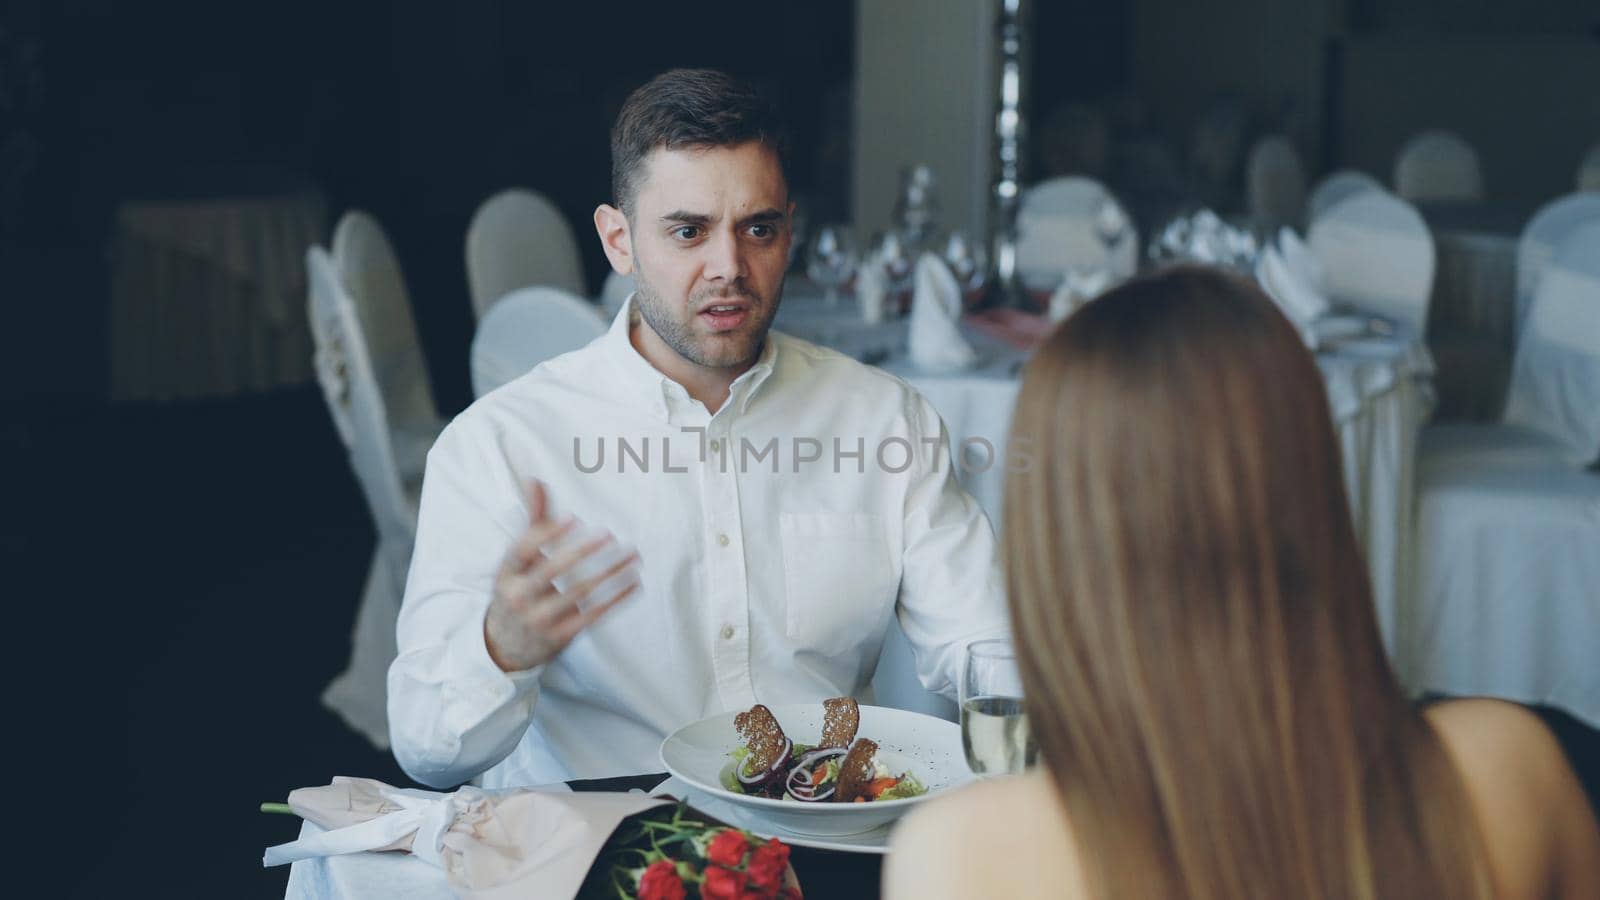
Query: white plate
[
  {"x": 875, "y": 840},
  {"x": 922, "y": 745}
]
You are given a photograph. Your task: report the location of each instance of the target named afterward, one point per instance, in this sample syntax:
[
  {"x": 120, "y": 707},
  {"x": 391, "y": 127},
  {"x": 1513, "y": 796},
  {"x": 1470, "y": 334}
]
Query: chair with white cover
[
  {"x": 1060, "y": 223},
  {"x": 525, "y": 328},
  {"x": 1336, "y": 186},
  {"x": 1547, "y": 230},
  {"x": 1589, "y": 170},
  {"x": 1508, "y": 599},
  {"x": 1438, "y": 166},
  {"x": 1275, "y": 184},
  {"x": 350, "y": 386},
  {"x": 518, "y": 238},
  {"x": 1377, "y": 254},
  {"x": 616, "y": 291},
  {"x": 371, "y": 276}
]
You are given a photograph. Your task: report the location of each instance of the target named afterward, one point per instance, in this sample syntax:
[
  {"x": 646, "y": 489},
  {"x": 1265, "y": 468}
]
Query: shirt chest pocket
[{"x": 840, "y": 579}]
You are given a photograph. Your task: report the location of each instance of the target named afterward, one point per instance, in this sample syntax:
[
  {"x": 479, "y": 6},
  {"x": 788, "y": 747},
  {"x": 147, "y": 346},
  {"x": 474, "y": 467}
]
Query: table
[
  {"x": 1379, "y": 391},
  {"x": 208, "y": 287},
  {"x": 401, "y": 876}
]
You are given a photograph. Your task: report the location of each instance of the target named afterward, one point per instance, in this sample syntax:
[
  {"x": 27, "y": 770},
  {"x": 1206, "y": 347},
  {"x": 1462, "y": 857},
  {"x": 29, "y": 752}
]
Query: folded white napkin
[
  {"x": 1076, "y": 290},
  {"x": 871, "y": 288},
  {"x": 1300, "y": 302},
  {"x": 937, "y": 344},
  {"x": 1301, "y": 261}
]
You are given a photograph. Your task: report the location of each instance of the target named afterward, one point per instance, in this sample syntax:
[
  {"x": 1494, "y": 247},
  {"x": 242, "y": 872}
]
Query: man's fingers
[
  {"x": 529, "y": 548},
  {"x": 569, "y": 628},
  {"x": 585, "y": 587},
  {"x": 562, "y": 561},
  {"x": 538, "y": 506}
]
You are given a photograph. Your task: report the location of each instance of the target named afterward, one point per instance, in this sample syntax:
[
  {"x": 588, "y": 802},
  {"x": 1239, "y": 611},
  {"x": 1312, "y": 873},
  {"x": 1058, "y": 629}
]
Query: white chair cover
[
  {"x": 1336, "y": 186},
  {"x": 517, "y": 239},
  {"x": 1377, "y": 254},
  {"x": 1551, "y": 225},
  {"x": 1438, "y": 165},
  {"x": 1589, "y": 170},
  {"x": 356, "y": 402},
  {"x": 1508, "y": 603},
  {"x": 616, "y": 291},
  {"x": 370, "y": 274},
  {"x": 1276, "y": 183},
  {"x": 1056, "y": 233},
  {"x": 525, "y": 328},
  {"x": 1555, "y": 380}
]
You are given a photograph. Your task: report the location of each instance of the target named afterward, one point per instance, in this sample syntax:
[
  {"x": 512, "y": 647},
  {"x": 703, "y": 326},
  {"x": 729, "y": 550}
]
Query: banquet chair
[
  {"x": 350, "y": 386},
  {"x": 1275, "y": 184},
  {"x": 1589, "y": 170},
  {"x": 518, "y": 238},
  {"x": 1057, "y": 232},
  {"x": 614, "y": 293},
  {"x": 1377, "y": 254},
  {"x": 1508, "y": 597},
  {"x": 371, "y": 276},
  {"x": 525, "y": 328},
  {"x": 1438, "y": 166},
  {"x": 1548, "y": 228},
  {"x": 1336, "y": 186}
]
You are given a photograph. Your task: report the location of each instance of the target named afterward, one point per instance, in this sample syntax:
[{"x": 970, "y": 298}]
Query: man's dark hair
[{"x": 689, "y": 108}]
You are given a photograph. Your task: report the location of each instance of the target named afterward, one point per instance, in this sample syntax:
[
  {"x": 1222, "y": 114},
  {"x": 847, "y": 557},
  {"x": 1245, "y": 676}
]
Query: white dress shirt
[{"x": 776, "y": 539}]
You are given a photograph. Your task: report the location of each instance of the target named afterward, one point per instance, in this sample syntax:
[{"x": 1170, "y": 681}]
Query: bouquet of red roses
[{"x": 672, "y": 853}]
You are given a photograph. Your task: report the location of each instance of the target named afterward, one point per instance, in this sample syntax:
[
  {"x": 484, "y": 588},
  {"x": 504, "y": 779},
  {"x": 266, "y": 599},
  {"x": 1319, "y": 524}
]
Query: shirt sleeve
[
  {"x": 452, "y": 712},
  {"x": 951, "y": 592}
]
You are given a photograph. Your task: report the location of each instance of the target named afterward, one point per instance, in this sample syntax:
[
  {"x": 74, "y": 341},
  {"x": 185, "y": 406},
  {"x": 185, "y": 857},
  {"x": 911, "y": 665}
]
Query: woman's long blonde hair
[{"x": 1203, "y": 669}]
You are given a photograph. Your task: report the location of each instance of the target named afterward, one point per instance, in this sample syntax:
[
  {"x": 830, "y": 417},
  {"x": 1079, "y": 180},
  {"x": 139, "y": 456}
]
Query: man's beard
[{"x": 679, "y": 334}]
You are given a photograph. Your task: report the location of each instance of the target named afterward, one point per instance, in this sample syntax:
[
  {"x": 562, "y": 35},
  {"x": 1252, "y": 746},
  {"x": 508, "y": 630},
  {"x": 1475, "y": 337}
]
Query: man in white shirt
[{"x": 785, "y": 500}]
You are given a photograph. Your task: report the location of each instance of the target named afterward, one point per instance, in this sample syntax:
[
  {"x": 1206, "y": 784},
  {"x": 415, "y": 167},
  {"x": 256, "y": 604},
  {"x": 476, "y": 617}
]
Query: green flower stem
[{"x": 281, "y": 809}]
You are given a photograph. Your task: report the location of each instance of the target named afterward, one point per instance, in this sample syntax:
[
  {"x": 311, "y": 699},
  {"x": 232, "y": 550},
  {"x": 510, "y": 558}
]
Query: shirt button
[
  {"x": 722, "y": 539},
  {"x": 716, "y": 446},
  {"x": 727, "y": 632}
]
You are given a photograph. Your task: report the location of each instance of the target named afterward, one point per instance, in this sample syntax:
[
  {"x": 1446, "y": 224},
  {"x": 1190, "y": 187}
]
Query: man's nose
[{"x": 724, "y": 257}]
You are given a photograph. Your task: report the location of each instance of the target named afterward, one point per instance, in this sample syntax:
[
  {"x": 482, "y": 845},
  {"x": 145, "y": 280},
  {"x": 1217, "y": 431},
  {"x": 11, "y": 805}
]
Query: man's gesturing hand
[{"x": 529, "y": 619}]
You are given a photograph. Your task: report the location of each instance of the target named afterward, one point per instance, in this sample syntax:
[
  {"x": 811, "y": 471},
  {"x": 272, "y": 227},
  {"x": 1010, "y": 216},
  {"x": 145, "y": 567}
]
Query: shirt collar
[{"x": 644, "y": 385}]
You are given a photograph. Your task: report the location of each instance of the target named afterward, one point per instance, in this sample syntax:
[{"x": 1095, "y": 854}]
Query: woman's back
[{"x": 1009, "y": 837}]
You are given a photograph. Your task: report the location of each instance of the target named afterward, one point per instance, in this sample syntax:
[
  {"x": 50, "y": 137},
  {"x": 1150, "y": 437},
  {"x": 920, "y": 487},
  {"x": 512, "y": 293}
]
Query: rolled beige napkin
[{"x": 936, "y": 342}]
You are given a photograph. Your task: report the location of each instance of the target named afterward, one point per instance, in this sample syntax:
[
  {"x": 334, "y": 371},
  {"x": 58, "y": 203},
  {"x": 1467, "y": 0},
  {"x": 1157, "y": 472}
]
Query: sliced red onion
[
  {"x": 811, "y": 758},
  {"x": 801, "y": 782}
]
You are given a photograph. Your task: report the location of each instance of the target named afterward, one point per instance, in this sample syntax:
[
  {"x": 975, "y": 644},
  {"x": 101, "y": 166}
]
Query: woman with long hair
[{"x": 1214, "y": 711}]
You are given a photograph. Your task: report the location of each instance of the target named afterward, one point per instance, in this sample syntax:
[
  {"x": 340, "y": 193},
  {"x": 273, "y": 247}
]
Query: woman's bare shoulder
[
  {"x": 1530, "y": 808},
  {"x": 997, "y": 838}
]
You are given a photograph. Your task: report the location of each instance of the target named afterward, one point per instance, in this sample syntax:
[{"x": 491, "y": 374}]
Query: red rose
[
  {"x": 721, "y": 884},
  {"x": 790, "y": 893},
  {"x": 727, "y": 849},
  {"x": 767, "y": 865},
  {"x": 661, "y": 882}
]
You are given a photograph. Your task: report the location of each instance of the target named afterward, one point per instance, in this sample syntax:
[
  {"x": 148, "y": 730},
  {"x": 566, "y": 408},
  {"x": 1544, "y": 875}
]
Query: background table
[
  {"x": 401, "y": 876},
  {"x": 1380, "y": 394},
  {"x": 208, "y": 286}
]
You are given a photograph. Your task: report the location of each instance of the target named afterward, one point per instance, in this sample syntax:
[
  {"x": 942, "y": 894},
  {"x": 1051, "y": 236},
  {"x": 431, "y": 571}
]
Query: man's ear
[{"x": 612, "y": 226}]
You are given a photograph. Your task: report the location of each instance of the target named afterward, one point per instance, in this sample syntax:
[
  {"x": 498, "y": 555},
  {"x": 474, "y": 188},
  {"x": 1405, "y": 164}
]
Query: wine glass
[
  {"x": 1110, "y": 226},
  {"x": 967, "y": 261},
  {"x": 994, "y": 725},
  {"x": 831, "y": 260},
  {"x": 889, "y": 252}
]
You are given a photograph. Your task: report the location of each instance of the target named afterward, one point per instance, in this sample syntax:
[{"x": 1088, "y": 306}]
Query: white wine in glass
[{"x": 994, "y": 721}]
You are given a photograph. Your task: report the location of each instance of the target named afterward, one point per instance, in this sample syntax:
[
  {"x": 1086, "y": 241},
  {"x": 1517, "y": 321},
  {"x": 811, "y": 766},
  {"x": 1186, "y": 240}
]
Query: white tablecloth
[
  {"x": 208, "y": 293},
  {"x": 1379, "y": 391}
]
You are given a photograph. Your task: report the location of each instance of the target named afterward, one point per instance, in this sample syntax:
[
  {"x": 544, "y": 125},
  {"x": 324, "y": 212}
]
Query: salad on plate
[{"x": 839, "y": 768}]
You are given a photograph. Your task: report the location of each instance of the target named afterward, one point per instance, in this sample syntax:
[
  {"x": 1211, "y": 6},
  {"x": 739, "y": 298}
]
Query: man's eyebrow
[
  {"x": 762, "y": 217},
  {"x": 682, "y": 217}
]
